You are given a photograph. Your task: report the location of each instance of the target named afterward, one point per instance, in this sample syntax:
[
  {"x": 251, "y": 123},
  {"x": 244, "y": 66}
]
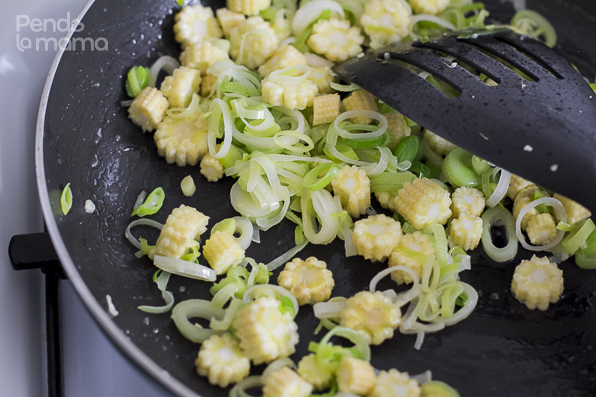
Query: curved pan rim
[{"x": 130, "y": 350}]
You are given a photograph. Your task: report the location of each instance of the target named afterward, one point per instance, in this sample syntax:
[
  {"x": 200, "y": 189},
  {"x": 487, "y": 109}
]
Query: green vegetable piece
[
  {"x": 458, "y": 169},
  {"x": 263, "y": 275},
  {"x": 137, "y": 80},
  {"x": 227, "y": 226},
  {"x": 479, "y": 165},
  {"x": 180, "y": 2},
  {"x": 590, "y": 247},
  {"x": 437, "y": 389},
  {"x": 420, "y": 170},
  {"x": 311, "y": 180},
  {"x": 286, "y": 306},
  {"x": 152, "y": 204},
  {"x": 302, "y": 37},
  {"x": 406, "y": 149},
  {"x": 578, "y": 237},
  {"x": 533, "y": 24},
  {"x": 66, "y": 199}
]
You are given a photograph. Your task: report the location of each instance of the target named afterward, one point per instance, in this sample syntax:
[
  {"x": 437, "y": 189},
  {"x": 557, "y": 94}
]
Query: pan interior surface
[{"x": 88, "y": 141}]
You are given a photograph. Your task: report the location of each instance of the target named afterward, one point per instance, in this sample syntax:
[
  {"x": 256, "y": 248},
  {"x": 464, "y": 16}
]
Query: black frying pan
[{"x": 85, "y": 138}]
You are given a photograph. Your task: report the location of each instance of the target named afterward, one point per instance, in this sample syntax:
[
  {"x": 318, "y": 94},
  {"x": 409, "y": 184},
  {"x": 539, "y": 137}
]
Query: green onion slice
[
  {"x": 66, "y": 199},
  {"x": 311, "y": 180},
  {"x": 193, "y": 308},
  {"x": 495, "y": 216},
  {"x": 137, "y": 79},
  {"x": 458, "y": 169},
  {"x": 152, "y": 204},
  {"x": 162, "y": 282},
  {"x": 574, "y": 241},
  {"x": 406, "y": 149},
  {"x": 533, "y": 24}
]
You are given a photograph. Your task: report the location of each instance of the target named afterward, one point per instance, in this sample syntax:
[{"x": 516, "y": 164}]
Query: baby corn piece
[
  {"x": 516, "y": 184},
  {"x": 393, "y": 383},
  {"x": 286, "y": 383},
  {"x": 222, "y": 361},
  {"x": 211, "y": 168},
  {"x": 385, "y": 21},
  {"x": 376, "y": 236},
  {"x": 309, "y": 281},
  {"x": 248, "y": 7},
  {"x": 429, "y": 6},
  {"x": 537, "y": 283},
  {"x": 423, "y": 202},
  {"x": 181, "y": 229},
  {"x": 180, "y": 86},
  {"x": 265, "y": 334},
  {"x": 466, "y": 231},
  {"x": 222, "y": 251},
  {"x": 228, "y": 19},
  {"x": 396, "y": 124},
  {"x": 182, "y": 141},
  {"x": 319, "y": 377},
  {"x": 355, "y": 376},
  {"x": 322, "y": 78},
  {"x": 352, "y": 186},
  {"x": 148, "y": 109},
  {"x": 371, "y": 314},
  {"x": 284, "y": 57},
  {"x": 195, "y": 24},
  {"x": 575, "y": 212},
  {"x": 412, "y": 251},
  {"x": 325, "y": 109},
  {"x": 438, "y": 144},
  {"x": 202, "y": 55},
  {"x": 336, "y": 39},
  {"x": 467, "y": 200},
  {"x": 360, "y": 100},
  {"x": 542, "y": 229}
]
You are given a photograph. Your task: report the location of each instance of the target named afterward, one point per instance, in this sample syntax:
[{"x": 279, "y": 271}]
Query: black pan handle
[{"x": 35, "y": 251}]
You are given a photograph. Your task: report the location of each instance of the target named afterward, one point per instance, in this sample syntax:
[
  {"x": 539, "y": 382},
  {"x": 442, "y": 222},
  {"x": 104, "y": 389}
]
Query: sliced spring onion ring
[
  {"x": 220, "y": 109},
  {"x": 140, "y": 222},
  {"x": 184, "y": 268},
  {"x": 286, "y": 257},
  {"x": 574, "y": 241},
  {"x": 239, "y": 389},
  {"x": 193, "y": 308},
  {"x": 344, "y": 87},
  {"x": 66, "y": 199},
  {"x": 490, "y": 218},
  {"x": 328, "y": 309},
  {"x": 501, "y": 189},
  {"x": 355, "y": 337},
  {"x": 533, "y": 24},
  {"x": 311, "y": 181},
  {"x": 249, "y": 294},
  {"x": 246, "y": 230},
  {"x": 230, "y": 313},
  {"x": 458, "y": 169},
  {"x": 152, "y": 204},
  {"x": 276, "y": 365},
  {"x": 188, "y": 186},
  {"x": 311, "y": 11},
  {"x": 405, "y": 297},
  {"x": 168, "y": 297},
  {"x": 167, "y": 63},
  {"x": 561, "y": 217}
]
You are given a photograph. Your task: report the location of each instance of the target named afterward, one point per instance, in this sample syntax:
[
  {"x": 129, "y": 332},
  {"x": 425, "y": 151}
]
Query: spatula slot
[
  {"x": 514, "y": 66},
  {"x": 451, "y": 61},
  {"x": 526, "y": 50},
  {"x": 423, "y": 71}
]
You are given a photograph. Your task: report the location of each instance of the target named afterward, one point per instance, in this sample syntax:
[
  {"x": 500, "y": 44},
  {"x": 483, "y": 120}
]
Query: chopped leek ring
[
  {"x": 458, "y": 169},
  {"x": 227, "y": 225},
  {"x": 406, "y": 149},
  {"x": 66, "y": 199},
  {"x": 152, "y": 204},
  {"x": 188, "y": 186},
  {"x": 574, "y": 241},
  {"x": 184, "y": 268},
  {"x": 560, "y": 214},
  {"x": 136, "y": 81},
  {"x": 490, "y": 218},
  {"x": 192, "y": 308},
  {"x": 250, "y": 293},
  {"x": 437, "y": 389},
  {"x": 533, "y": 24},
  {"x": 310, "y": 180},
  {"x": 360, "y": 343},
  {"x": 162, "y": 281}
]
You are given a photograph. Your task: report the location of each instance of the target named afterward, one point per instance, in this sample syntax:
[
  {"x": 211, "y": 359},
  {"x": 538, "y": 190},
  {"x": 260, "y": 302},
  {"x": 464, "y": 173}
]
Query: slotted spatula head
[{"x": 541, "y": 126}]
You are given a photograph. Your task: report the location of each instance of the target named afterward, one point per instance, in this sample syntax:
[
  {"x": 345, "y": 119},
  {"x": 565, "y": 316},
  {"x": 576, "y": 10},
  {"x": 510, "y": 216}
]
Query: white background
[{"x": 93, "y": 367}]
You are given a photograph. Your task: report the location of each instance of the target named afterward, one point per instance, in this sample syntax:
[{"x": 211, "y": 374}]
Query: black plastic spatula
[{"x": 541, "y": 126}]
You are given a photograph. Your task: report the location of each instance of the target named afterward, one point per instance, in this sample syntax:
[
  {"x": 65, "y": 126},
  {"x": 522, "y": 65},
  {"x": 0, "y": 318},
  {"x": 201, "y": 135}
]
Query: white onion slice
[
  {"x": 419, "y": 339},
  {"x": 184, "y": 268},
  {"x": 166, "y": 63},
  {"x": 311, "y": 11},
  {"x": 500, "y": 190},
  {"x": 561, "y": 217}
]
